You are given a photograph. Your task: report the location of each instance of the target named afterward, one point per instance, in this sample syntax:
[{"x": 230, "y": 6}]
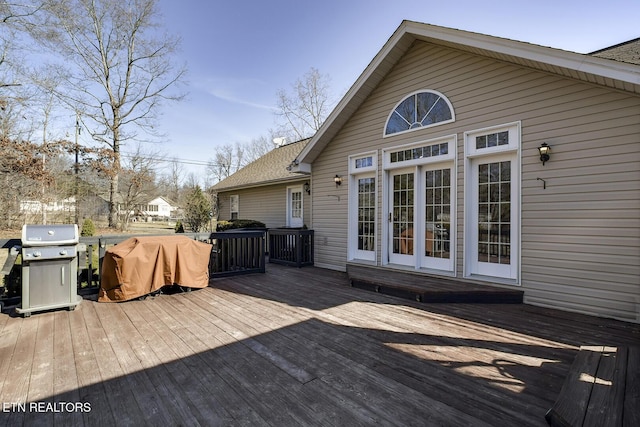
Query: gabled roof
[
  {"x": 625, "y": 52},
  {"x": 166, "y": 200},
  {"x": 145, "y": 198},
  {"x": 268, "y": 169},
  {"x": 588, "y": 68}
]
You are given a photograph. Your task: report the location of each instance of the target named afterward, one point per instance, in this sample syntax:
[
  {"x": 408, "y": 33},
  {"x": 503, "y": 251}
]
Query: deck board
[
  {"x": 41, "y": 385},
  {"x": 293, "y": 347}
]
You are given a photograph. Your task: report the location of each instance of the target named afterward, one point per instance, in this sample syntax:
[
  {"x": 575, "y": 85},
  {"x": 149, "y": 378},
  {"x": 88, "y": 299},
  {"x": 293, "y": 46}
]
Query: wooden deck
[{"x": 287, "y": 348}]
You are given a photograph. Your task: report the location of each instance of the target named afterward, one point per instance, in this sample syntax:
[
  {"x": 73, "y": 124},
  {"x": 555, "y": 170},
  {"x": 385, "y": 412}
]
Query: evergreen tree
[{"x": 197, "y": 208}]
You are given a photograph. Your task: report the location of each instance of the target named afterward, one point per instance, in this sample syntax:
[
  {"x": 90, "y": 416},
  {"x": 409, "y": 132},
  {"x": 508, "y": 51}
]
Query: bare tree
[
  {"x": 170, "y": 182},
  {"x": 257, "y": 148},
  {"x": 11, "y": 87},
  {"x": 137, "y": 183},
  {"x": 227, "y": 160},
  {"x": 304, "y": 110},
  {"x": 117, "y": 68},
  {"x": 230, "y": 158}
]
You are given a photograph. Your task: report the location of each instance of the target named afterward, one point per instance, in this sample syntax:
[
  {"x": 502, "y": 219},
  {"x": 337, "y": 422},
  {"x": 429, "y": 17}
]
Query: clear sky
[{"x": 240, "y": 53}]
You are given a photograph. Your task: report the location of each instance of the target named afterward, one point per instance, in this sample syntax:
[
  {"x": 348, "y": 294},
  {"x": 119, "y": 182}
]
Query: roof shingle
[
  {"x": 270, "y": 168},
  {"x": 624, "y": 52}
]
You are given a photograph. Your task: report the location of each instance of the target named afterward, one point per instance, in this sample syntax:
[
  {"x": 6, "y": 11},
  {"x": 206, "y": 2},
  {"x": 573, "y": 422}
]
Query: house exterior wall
[
  {"x": 163, "y": 209},
  {"x": 579, "y": 236},
  {"x": 266, "y": 204}
]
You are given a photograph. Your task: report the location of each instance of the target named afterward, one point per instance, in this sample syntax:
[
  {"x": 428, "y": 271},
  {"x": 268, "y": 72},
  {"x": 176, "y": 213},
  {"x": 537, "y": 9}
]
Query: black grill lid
[{"x": 49, "y": 235}]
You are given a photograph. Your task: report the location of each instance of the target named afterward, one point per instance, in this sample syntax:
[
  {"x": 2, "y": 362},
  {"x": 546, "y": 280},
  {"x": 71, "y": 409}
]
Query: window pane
[
  {"x": 437, "y": 207},
  {"x": 418, "y": 110},
  {"x": 494, "y": 213},
  {"x": 366, "y": 217},
  {"x": 403, "y": 214},
  {"x": 503, "y": 138}
]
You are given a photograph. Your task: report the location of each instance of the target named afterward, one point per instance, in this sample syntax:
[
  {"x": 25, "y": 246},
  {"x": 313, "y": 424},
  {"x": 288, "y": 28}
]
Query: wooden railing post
[
  {"x": 291, "y": 246},
  {"x": 237, "y": 252}
]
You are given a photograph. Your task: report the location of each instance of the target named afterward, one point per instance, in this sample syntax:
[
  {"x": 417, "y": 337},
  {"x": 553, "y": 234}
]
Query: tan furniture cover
[{"x": 141, "y": 265}]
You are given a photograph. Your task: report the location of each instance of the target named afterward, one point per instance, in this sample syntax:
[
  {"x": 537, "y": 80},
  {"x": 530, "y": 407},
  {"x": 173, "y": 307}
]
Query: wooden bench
[{"x": 602, "y": 388}]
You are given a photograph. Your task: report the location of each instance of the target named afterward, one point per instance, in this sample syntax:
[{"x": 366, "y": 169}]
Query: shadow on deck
[{"x": 293, "y": 347}]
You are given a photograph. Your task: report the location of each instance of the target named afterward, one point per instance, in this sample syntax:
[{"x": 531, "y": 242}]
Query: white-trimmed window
[
  {"x": 234, "y": 202},
  {"x": 492, "y": 202},
  {"x": 362, "y": 206},
  {"x": 431, "y": 151},
  {"x": 487, "y": 141},
  {"x": 419, "y": 110}
]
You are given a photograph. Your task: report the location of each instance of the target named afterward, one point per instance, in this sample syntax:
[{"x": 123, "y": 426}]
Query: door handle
[{"x": 390, "y": 220}]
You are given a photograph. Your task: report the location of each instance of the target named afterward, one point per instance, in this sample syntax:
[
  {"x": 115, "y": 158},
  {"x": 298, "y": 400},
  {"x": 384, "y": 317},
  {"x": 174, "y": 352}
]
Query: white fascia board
[
  {"x": 354, "y": 89},
  {"x": 301, "y": 167},
  {"x": 548, "y": 55}
]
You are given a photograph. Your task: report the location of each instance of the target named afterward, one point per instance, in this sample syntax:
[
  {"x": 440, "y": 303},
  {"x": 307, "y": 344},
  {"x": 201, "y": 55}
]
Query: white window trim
[
  {"x": 290, "y": 190},
  {"x": 451, "y": 153},
  {"x": 372, "y": 168},
  {"x": 451, "y": 158},
  {"x": 515, "y": 134},
  {"x": 440, "y": 94},
  {"x": 353, "y": 253},
  {"x": 472, "y": 154}
]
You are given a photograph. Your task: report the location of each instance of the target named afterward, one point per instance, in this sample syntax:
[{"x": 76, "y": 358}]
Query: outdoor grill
[{"x": 49, "y": 268}]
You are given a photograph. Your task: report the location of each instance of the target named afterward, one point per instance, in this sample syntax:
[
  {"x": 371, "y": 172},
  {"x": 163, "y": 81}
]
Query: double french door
[{"x": 419, "y": 217}]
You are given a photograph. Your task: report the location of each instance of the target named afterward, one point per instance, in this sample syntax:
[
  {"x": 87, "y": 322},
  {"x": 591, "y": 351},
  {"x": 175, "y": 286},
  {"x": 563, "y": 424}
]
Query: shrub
[
  {"x": 88, "y": 228},
  {"x": 179, "y": 227},
  {"x": 239, "y": 223}
]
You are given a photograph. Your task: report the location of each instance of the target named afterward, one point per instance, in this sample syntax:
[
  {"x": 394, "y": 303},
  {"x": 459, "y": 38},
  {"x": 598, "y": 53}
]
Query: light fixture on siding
[
  {"x": 306, "y": 187},
  {"x": 337, "y": 180},
  {"x": 544, "y": 152}
]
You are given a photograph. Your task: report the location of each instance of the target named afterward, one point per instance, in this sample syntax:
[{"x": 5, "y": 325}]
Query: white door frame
[
  {"x": 291, "y": 220},
  {"x": 409, "y": 243},
  {"x": 474, "y": 156},
  {"x": 439, "y": 264},
  {"x": 417, "y": 158}
]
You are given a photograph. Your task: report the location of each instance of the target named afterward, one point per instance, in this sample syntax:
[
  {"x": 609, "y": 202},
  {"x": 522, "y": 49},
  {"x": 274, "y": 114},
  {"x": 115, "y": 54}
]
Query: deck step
[
  {"x": 429, "y": 288},
  {"x": 602, "y": 388}
]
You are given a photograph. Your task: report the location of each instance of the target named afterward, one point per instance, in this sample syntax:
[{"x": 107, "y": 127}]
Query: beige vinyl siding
[
  {"x": 580, "y": 237},
  {"x": 266, "y": 204}
]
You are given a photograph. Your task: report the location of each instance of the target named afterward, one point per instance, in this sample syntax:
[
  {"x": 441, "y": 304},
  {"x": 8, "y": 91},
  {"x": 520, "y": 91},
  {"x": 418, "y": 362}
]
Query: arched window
[{"x": 419, "y": 110}]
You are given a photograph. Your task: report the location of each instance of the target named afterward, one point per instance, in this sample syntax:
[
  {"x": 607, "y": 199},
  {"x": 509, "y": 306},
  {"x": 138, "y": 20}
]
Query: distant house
[
  {"x": 434, "y": 163},
  {"x": 267, "y": 191},
  {"x": 159, "y": 208}
]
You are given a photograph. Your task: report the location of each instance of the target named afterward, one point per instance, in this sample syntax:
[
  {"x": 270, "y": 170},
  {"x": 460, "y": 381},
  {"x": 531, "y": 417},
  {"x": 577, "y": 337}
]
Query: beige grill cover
[{"x": 141, "y": 265}]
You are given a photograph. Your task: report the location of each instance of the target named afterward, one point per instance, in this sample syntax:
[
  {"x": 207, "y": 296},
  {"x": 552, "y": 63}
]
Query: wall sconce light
[
  {"x": 306, "y": 187},
  {"x": 337, "y": 180},
  {"x": 544, "y": 152}
]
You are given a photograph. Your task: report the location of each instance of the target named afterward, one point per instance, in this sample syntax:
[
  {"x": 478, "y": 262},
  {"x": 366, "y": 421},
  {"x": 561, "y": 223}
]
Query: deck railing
[
  {"x": 233, "y": 253},
  {"x": 291, "y": 246},
  {"x": 237, "y": 252}
]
